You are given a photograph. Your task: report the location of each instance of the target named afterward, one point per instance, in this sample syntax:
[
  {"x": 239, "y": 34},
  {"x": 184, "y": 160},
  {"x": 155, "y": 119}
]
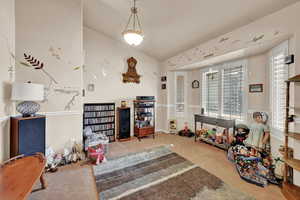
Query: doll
[
  {"x": 241, "y": 134},
  {"x": 258, "y": 138}
]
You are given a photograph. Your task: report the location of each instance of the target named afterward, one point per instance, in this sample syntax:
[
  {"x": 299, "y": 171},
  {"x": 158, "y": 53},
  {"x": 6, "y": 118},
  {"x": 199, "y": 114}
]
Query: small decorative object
[
  {"x": 28, "y": 93},
  {"x": 289, "y": 59},
  {"x": 255, "y": 88},
  {"x": 163, "y": 86},
  {"x": 173, "y": 126},
  {"x": 163, "y": 79},
  {"x": 186, "y": 131},
  {"x": 195, "y": 84},
  {"x": 123, "y": 104},
  {"x": 91, "y": 87},
  {"x": 131, "y": 75}
]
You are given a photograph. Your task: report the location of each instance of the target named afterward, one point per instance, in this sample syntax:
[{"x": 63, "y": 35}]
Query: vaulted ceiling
[{"x": 172, "y": 26}]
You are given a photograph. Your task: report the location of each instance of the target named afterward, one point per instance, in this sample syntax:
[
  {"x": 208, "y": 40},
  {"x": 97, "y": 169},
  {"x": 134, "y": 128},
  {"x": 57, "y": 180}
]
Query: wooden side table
[{"x": 18, "y": 176}]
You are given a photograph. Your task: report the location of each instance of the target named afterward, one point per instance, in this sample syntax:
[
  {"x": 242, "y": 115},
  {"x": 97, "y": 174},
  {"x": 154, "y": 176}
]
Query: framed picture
[
  {"x": 255, "y": 88},
  {"x": 195, "y": 84},
  {"x": 163, "y": 86},
  {"x": 163, "y": 79}
]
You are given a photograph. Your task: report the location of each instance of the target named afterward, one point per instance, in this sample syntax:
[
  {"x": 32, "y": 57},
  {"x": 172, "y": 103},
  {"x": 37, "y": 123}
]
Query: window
[
  {"x": 222, "y": 90},
  {"x": 180, "y": 92},
  {"x": 232, "y": 102},
  {"x": 212, "y": 92},
  {"x": 279, "y": 74}
]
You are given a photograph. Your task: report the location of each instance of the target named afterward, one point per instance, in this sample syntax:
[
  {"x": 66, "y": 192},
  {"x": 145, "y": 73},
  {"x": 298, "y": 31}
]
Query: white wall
[
  {"x": 106, "y": 60},
  {"x": 43, "y": 26},
  {"x": 7, "y": 46}
]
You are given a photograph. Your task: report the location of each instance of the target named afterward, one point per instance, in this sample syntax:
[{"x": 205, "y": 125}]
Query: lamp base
[{"x": 28, "y": 108}]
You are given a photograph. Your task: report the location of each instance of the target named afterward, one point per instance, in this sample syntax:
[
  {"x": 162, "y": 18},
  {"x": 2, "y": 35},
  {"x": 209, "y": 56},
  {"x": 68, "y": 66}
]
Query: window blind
[
  {"x": 180, "y": 93},
  {"x": 232, "y": 100},
  {"x": 212, "y": 92},
  {"x": 279, "y": 74}
]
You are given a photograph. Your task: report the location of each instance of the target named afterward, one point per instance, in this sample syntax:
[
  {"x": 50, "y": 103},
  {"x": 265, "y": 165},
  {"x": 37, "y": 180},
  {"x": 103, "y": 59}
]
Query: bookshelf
[
  {"x": 101, "y": 118},
  {"x": 290, "y": 190},
  {"x": 144, "y": 118}
]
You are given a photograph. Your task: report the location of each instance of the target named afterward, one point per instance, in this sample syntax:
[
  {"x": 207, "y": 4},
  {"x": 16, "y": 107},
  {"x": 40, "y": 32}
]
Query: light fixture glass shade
[
  {"x": 27, "y": 92},
  {"x": 133, "y": 37}
]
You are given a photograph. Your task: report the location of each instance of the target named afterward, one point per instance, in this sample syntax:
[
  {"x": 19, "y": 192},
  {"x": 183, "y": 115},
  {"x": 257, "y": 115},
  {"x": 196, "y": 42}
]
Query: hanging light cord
[{"x": 135, "y": 18}]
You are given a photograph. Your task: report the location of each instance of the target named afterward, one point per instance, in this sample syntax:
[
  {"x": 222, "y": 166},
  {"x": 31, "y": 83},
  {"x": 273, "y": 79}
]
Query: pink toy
[{"x": 96, "y": 153}]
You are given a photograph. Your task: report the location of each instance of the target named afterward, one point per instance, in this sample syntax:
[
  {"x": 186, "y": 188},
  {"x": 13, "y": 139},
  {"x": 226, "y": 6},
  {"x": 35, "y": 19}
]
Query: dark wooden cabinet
[
  {"x": 27, "y": 135},
  {"x": 123, "y": 124}
]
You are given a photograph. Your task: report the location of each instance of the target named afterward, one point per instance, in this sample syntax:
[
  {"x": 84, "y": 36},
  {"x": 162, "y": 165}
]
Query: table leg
[{"x": 43, "y": 181}]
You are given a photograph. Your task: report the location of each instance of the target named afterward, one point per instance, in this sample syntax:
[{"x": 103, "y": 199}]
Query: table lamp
[{"x": 28, "y": 93}]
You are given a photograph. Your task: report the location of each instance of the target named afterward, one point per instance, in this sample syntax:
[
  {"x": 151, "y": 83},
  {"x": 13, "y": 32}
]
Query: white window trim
[
  {"x": 284, "y": 46},
  {"x": 219, "y": 68},
  {"x": 184, "y": 74}
]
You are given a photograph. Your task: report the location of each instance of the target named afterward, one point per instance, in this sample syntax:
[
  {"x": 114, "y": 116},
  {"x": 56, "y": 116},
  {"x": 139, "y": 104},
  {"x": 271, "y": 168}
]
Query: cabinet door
[
  {"x": 32, "y": 136},
  {"x": 124, "y": 123}
]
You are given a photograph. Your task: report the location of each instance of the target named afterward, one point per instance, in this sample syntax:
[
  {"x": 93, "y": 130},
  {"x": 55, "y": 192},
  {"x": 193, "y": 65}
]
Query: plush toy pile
[
  {"x": 253, "y": 166},
  {"x": 254, "y": 169}
]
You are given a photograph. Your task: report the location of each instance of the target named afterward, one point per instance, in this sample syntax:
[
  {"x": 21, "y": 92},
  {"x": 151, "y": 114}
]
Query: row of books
[
  {"x": 99, "y": 120},
  {"x": 99, "y": 107},
  {"x": 107, "y": 133},
  {"x": 99, "y": 114},
  {"x": 102, "y": 127}
]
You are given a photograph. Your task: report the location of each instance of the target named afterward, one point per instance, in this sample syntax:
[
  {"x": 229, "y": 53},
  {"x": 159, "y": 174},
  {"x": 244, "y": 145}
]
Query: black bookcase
[{"x": 101, "y": 118}]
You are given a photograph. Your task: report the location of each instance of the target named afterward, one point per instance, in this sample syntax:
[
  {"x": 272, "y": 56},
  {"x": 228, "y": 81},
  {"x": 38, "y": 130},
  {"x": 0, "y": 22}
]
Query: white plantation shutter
[
  {"x": 279, "y": 74},
  {"x": 180, "y": 93},
  {"x": 232, "y": 101},
  {"x": 212, "y": 92}
]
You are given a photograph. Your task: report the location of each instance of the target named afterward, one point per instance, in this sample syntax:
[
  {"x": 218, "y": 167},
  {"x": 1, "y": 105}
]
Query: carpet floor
[
  {"x": 73, "y": 182},
  {"x": 159, "y": 174}
]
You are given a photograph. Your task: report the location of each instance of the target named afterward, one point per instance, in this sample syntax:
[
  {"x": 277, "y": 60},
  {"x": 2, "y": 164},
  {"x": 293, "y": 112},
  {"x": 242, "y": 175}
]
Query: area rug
[{"x": 160, "y": 174}]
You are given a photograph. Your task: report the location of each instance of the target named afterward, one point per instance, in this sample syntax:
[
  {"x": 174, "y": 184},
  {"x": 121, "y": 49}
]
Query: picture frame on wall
[
  {"x": 163, "y": 79},
  {"x": 195, "y": 84},
  {"x": 163, "y": 86},
  {"x": 256, "y": 88}
]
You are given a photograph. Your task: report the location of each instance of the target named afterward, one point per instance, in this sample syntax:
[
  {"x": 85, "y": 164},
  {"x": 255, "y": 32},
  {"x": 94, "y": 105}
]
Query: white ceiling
[{"x": 172, "y": 26}]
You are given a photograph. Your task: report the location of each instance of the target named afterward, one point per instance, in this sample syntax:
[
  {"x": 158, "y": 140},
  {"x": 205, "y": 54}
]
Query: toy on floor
[
  {"x": 259, "y": 135},
  {"x": 96, "y": 154},
  {"x": 240, "y": 135},
  {"x": 186, "y": 131}
]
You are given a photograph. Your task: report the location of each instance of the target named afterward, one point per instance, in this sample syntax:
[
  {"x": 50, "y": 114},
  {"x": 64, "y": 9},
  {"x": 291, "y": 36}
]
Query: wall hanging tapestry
[
  {"x": 131, "y": 76},
  {"x": 159, "y": 174}
]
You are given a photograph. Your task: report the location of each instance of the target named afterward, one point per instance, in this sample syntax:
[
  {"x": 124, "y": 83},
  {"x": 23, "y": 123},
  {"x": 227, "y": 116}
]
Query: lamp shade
[{"x": 27, "y": 92}]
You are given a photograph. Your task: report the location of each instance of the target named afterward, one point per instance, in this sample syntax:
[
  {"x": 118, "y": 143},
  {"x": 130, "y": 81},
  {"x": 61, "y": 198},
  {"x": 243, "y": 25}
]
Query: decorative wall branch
[
  {"x": 38, "y": 65},
  {"x": 71, "y": 102}
]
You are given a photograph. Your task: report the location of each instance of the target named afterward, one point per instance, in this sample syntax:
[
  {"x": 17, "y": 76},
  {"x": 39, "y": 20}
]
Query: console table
[{"x": 225, "y": 123}]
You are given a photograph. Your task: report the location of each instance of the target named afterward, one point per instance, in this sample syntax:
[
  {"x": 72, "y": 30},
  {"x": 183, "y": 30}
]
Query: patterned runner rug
[{"x": 159, "y": 174}]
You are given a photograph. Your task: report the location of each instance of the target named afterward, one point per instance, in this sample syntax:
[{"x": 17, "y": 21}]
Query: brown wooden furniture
[
  {"x": 290, "y": 191},
  {"x": 18, "y": 176},
  {"x": 123, "y": 124},
  {"x": 144, "y": 118},
  {"x": 27, "y": 135}
]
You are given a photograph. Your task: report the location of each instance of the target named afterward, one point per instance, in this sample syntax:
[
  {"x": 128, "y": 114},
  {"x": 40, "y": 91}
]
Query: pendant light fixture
[{"x": 133, "y": 31}]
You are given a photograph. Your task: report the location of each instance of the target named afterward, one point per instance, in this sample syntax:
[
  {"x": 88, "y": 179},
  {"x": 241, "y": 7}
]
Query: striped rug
[{"x": 159, "y": 174}]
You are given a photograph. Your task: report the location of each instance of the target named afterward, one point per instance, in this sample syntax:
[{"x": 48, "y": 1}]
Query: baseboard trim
[{"x": 161, "y": 130}]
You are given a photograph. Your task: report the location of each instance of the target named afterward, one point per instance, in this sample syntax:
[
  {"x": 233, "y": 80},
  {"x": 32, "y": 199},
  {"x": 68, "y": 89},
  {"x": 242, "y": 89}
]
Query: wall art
[
  {"x": 255, "y": 88},
  {"x": 131, "y": 76},
  {"x": 195, "y": 84}
]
